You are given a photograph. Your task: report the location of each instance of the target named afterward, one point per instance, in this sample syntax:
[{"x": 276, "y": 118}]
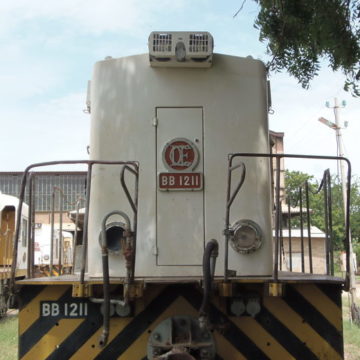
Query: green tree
[
  {"x": 295, "y": 179},
  {"x": 300, "y": 33}
]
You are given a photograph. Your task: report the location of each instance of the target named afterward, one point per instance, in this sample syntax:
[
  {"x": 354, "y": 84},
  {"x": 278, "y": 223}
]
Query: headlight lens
[{"x": 246, "y": 237}]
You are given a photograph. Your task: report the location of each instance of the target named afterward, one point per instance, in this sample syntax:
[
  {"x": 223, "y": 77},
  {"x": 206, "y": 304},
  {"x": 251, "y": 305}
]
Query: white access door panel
[{"x": 179, "y": 213}]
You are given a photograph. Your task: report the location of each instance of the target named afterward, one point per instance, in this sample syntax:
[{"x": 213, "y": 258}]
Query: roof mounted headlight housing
[
  {"x": 246, "y": 236},
  {"x": 180, "y": 49}
]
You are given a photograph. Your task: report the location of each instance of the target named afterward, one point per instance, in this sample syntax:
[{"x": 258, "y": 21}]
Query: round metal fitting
[
  {"x": 111, "y": 309},
  {"x": 123, "y": 310},
  {"x": 237, "y": 307},
  {"x": 253, "y": 307},
  {"x": 246, "y": 236}
]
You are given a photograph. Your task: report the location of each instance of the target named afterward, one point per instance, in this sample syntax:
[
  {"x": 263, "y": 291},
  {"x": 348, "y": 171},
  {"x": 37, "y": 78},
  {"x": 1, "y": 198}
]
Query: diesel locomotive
[{"x": 182, "y": 254}]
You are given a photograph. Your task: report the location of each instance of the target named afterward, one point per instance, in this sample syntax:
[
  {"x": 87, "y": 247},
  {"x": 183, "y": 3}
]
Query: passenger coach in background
[
  {"x": 178, "y": 258},
  {"x": 8, "y": 212}
]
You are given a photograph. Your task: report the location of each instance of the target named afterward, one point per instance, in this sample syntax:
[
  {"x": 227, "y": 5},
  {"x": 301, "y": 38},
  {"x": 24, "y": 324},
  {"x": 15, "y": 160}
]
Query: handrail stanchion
[
  {"x": 134, "y": 205},
  {"x": 75, "y": 234},
  {"x": 308, "y": 223},
  {"x": 289, "y": 235},
  {"x": 277, "y": 219},
  {"x": 52, "y": 221},
  {"x": 30, "y": 245},
  {"x": 86, "y": 223},
  {"x": 229, "y": 200},
  {"x": 61, "y": 240}
]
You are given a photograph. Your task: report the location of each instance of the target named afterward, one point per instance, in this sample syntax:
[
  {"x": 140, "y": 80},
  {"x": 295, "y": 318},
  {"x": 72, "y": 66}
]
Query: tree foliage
[
  {"x": 294, "y": 180},
  {"x": 299, "y": 33}
]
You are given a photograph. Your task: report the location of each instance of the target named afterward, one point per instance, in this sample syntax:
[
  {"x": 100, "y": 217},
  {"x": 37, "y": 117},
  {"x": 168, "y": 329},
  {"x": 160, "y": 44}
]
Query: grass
[
  {"x": 9, "y": 337},
  {"x": 351, "y": 332}
]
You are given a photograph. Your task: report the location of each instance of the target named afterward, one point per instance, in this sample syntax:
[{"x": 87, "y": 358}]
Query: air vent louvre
[
  {"x": 180, "y": 49},
  {"x": 162, "y": 42},
  {"x": 198, "y": 43}
]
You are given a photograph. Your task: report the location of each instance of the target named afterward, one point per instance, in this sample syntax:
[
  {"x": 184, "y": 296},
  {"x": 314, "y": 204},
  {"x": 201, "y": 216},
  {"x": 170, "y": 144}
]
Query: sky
[{"x": 48, "y": 49}]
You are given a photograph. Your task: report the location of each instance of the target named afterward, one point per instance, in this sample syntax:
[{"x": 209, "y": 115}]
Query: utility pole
[{"x": 340, "y": 152}]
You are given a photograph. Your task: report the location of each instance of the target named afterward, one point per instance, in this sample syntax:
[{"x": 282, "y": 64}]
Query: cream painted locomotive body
[{"x": 136, "y": 110}]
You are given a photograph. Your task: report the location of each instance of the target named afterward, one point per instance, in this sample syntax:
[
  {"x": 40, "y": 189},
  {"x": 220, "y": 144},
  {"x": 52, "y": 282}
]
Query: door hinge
[{"x": 155, "y": 121}]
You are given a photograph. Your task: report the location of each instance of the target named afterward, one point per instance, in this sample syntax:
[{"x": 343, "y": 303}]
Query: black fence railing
[
  {"x": 58, "y": 202},
  {"x": 296, "y": 221}
]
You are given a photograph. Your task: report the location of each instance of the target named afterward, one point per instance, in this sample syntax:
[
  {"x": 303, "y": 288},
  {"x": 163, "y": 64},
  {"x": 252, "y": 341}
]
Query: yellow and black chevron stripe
[{"x": 304, "y": 324}]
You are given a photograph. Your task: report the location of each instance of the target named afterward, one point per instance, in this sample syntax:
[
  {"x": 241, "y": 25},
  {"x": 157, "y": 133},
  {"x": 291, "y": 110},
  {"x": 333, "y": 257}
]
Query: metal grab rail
[
  {"x": 230, "y": 197},
  {"x": 106, "y": 280},
  {"x": 78, "y": 201},
  {"x": 134, "y": 205},
  {"x": 60, "y": 245},
  {"x": 26, "y": 173},
  {"x": 60, "y": 249},
  {"x": 278, "y": 214},
  {"x": 31, "y": 229},
  {"x": 325, "y": 186}
]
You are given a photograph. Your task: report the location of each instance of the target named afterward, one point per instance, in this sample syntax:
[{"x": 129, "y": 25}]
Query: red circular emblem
[{"x": 180, "y": 154}]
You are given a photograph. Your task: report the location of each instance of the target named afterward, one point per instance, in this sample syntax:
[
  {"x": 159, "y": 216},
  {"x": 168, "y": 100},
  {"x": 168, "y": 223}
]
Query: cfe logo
[{"x": 180, "y": 154}]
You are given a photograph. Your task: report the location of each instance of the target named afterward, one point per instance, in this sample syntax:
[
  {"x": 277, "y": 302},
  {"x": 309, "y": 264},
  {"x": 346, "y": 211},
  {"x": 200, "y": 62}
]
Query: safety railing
[
  {"x": 28, "y": 182},
  {"x": 283, "y": 224}
]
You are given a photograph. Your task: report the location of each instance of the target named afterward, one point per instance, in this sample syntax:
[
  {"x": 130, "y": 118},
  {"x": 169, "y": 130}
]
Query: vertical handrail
[
  {"x": 60, "y": 248},
  {"x": 52, "y": 231},
  {"x": 30, "y": 242},
  {"x": 78, "y": 201},
  {"x": 325, "y": 186},
  {"x": 106, "y": 278},
  {"x": 347, "y": 225},
  {"x": 277, "y": 220},
  {"x": 301, "y": 230},
  {"x": 75, "y": 235},
  {"x": 282, "y": 248},
  {"x": 289, "y": 234},
  {"x": 327, "y": 231},
  {"x": 86, "y": 222},
  {"x": 227, "y": 222},
  {"x": 33, "y": 228},
  {"x": 134, "y": 205},
  {"x": 331, "y": 236},
  {"x": 230, "y": 197},
  {"x": 308, "y": 223},
  {"x": 61, "y": 241}
]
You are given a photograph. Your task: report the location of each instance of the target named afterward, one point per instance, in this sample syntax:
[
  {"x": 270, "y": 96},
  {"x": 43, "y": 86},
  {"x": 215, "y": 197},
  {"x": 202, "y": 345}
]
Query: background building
[{"x": 71, "y": 184}]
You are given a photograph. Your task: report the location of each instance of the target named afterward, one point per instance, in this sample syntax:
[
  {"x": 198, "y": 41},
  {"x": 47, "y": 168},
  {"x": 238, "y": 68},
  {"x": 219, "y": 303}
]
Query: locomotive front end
[{"x": 182, "y": 253}]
